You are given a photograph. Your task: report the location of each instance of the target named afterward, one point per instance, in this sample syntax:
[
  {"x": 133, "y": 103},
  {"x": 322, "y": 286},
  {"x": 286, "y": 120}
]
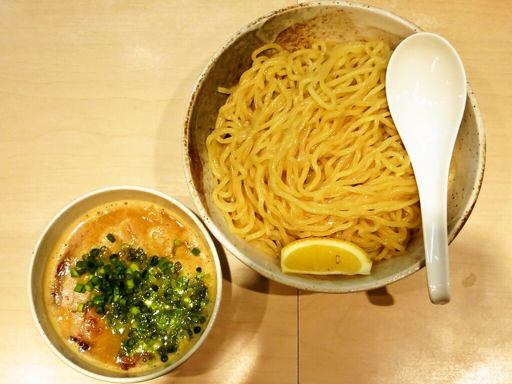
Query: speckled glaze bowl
[
  {"x": 339, "y": 21},
  {"x": 42, "y": 252}
]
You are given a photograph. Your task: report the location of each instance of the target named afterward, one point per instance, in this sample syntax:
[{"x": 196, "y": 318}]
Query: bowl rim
[
  {"x": 214, "y": 254},
  {"x": 317, "y": 286}
]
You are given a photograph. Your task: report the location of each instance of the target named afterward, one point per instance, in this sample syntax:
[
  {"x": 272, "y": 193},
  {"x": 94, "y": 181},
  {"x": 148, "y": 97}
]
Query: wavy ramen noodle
[{"x": 305, "y": 146}]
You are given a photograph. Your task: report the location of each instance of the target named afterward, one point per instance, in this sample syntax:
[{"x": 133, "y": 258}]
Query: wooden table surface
[{"x": 93, "y": 93}]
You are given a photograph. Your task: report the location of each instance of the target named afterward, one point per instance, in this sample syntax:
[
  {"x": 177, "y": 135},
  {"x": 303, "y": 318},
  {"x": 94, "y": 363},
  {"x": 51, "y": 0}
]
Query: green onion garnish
[
  {"x": 111, "y": 238},
  {"x": 148, "y": 301},
  {"x": 134, "y": 310},
  {"x": 134, "y": 267}
]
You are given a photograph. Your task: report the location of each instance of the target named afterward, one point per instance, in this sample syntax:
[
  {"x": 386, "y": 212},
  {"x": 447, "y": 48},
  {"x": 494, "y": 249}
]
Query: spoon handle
[
  {"x": 436, "y": 256},
  {"x": 435, "y": 236}
]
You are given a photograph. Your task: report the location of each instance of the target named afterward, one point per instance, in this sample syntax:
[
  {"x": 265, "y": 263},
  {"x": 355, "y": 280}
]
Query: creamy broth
[{"x": 138, "y": 224}]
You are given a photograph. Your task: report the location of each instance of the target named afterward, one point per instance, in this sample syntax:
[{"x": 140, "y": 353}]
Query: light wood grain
[
  {"x": 94, "y": 94},
  {"x": 398, "y": 336}
]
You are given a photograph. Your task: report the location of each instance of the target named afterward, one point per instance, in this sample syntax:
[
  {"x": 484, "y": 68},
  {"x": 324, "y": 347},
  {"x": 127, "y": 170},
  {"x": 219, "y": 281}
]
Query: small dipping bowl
[{"x": 45, "y": 246}]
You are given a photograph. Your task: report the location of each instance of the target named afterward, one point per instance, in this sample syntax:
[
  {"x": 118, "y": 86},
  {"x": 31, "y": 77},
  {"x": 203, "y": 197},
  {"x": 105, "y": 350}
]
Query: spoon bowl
[{"x": 426, "y": 91}]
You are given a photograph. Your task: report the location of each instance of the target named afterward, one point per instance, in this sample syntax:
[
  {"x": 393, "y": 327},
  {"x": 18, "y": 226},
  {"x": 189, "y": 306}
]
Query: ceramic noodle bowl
[{"x": 291, "y": 27}]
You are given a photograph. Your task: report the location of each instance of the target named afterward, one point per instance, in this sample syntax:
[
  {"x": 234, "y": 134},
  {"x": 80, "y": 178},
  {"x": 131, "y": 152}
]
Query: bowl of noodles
[{"x": 288, "y": 136}]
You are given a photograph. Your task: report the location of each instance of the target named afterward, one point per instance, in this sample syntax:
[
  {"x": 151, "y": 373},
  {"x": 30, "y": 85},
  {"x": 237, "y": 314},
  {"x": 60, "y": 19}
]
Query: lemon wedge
[{"x": 324, "y": 256}]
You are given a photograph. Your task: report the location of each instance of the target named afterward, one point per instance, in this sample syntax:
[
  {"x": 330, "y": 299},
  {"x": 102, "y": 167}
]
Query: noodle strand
[{"x": 305, "y": 146}]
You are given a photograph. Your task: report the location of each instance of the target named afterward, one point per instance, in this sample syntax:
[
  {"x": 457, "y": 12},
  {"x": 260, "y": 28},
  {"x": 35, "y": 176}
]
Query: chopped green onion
[
  {"x": 134, "y": 267},
  {"x": 177, "y": 242},
  {"x": 149, "y": 301},
  {"x": 111, "y": 238},
  {"x": 163, "y": 263},
  {"x": 134, "y": 310}
]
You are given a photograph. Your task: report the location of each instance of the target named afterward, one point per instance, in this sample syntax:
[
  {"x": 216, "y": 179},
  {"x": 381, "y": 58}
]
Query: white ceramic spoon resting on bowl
[{"x": 426, "y": 92}]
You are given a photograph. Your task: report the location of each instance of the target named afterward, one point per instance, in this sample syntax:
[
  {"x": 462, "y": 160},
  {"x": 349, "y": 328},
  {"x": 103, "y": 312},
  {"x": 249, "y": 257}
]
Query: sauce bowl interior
[{"x": 46, "y": 244}]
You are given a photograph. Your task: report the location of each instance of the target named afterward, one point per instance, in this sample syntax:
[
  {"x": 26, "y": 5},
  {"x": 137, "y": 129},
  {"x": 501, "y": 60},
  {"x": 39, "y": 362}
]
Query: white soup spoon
[{"x": 426, "y": 92}]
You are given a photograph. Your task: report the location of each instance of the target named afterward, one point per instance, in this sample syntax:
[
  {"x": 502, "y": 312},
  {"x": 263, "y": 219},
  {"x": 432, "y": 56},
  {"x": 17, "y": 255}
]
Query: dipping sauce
[{"x": 130, "y": 286}]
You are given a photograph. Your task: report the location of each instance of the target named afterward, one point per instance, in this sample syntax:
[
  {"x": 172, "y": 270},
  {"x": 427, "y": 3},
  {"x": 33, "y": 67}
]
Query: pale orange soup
[{"x": 134, "y": 223}]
